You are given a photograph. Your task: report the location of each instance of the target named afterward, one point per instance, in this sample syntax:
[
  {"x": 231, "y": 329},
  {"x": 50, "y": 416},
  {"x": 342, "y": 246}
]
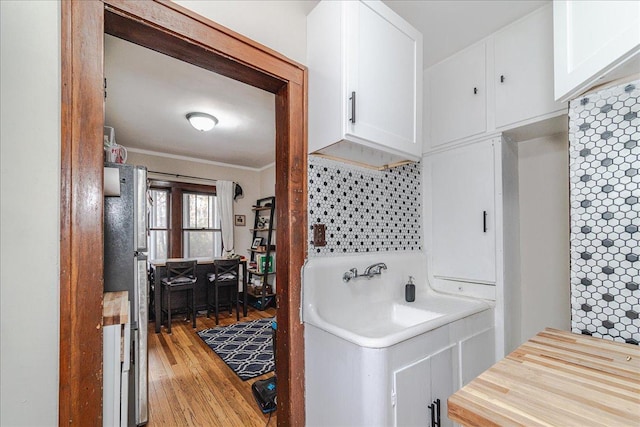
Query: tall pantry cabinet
[
  {"x": 472, "y": 229},
  {"x": 479, "y": 103}
]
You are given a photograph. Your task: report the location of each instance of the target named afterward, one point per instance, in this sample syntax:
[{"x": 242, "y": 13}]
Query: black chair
[
  {"x": 181, "y": 276},
  {"x": 225, "y": 275}
]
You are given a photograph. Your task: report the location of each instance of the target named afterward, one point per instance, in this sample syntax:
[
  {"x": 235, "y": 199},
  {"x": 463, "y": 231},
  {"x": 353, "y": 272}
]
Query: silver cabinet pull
[{"x": 352, "y": 119}]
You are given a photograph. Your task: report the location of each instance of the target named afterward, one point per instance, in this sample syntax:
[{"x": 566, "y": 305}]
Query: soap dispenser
[{"x": 410, "y": 290}]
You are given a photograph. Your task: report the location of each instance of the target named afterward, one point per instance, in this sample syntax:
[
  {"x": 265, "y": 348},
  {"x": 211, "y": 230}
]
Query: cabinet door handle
[
  {"x": 353, "y": 107},
  {"x": 432, "y": 413},
  {"x": 484, "y": 221},
  {"x": 475, "y": 90},
  {"x": 502, "y": 78}
]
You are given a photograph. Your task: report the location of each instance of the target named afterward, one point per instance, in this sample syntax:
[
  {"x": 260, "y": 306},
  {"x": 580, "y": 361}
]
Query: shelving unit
[{"x": 261, "y": 298}]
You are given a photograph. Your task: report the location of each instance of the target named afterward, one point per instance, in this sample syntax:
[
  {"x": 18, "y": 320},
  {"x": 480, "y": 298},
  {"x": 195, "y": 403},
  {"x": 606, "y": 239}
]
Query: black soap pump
[{"x": 410, "y": 290}]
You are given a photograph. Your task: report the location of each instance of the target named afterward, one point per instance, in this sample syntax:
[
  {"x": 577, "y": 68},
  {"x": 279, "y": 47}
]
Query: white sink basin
[
  {"x": 407, "y": 316},
  {"x": 383, "y": 324},
  {"x": 372, "y": 312}
]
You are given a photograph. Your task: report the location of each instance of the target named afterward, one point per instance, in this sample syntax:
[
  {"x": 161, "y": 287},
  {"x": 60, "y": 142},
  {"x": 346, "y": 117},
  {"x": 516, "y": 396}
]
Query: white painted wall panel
[
  {"x": 29, "y": 212},
  {"x": 544, "y": 234},
  {"x": 30, "y": 156}
]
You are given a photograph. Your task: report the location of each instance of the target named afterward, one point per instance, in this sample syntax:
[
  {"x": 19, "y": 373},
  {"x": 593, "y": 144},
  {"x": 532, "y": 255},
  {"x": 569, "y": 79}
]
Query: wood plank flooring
[{"x": 189, "y": 385}]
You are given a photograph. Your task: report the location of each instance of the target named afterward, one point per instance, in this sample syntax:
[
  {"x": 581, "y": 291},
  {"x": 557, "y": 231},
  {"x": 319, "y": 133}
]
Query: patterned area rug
[{"x": 245, "y": 347}]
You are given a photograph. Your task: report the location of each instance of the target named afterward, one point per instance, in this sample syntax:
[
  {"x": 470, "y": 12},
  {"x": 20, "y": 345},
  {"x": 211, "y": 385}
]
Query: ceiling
[
  {"x": 449, "y": 26},
  {"x": 149, "y": 94}
]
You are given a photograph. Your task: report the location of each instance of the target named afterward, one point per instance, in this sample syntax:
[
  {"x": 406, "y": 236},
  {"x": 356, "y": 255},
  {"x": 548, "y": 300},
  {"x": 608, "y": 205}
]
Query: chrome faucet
[
  {"x": 374, "y": 269},
  {"x": 351, "y": 274},
  {"x": 369, "y": 272}
]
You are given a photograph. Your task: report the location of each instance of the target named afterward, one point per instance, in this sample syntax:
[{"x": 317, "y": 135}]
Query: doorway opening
[
  {"x": 179, "y": 33},
  {"x": 149, "y": 96}
]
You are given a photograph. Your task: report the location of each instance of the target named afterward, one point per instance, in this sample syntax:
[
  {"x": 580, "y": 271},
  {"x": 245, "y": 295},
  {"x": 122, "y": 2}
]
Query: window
[
  {"x": 183, "y": 221},
  {"x": 201, "y": 232},
  {"x": 159, "y": 224}
]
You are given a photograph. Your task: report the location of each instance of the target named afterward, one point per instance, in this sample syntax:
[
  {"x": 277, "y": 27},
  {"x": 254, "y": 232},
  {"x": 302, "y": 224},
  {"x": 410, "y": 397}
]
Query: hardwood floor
[{"x": 189, "y": 385}]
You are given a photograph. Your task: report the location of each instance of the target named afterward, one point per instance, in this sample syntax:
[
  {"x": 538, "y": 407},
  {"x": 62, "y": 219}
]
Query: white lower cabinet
[
  {"x": 422, "y": 388},
  {"x": 116, "y": 342},
  {"x": 350, "y": 385},
  {"x": 474, "y": 357}
]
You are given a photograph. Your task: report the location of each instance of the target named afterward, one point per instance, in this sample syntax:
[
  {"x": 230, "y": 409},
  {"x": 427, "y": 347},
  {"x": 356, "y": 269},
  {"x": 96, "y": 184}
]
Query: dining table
[{"x": 204, "y": 266}]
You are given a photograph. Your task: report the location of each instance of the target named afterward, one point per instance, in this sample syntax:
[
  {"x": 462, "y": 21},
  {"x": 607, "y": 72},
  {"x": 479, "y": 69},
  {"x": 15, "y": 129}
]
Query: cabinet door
[
  {"x": 443, "y": 380},
  {"x": 457, "y": 104},
  {"x": 524, "y": 69},
  {"x": 412, "y": 385},
  {"x": 592, "y": 40},
  {"x": 463, "y": 213},
  {"x": 418, "y": 385},
  {"x": 477, "y": 354},
  {"x": 384, "y": 61}
]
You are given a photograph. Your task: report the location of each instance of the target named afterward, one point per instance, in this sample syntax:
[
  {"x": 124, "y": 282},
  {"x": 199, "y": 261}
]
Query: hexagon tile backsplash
[
  {"x": 604, "y": 170},
  {"x": 364, "y": 210}
]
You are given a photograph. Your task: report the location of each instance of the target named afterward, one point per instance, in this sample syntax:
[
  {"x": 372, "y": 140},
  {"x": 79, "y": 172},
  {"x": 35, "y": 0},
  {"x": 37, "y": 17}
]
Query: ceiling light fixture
[{"x": 202, "y": 121}]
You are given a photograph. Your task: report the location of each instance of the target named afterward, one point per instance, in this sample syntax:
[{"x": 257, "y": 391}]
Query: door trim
[{"x": 178, "y": 32}]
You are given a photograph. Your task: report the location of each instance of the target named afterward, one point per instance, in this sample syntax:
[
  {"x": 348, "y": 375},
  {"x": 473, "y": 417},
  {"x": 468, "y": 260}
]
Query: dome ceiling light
[{"x": 202, "y": 121}]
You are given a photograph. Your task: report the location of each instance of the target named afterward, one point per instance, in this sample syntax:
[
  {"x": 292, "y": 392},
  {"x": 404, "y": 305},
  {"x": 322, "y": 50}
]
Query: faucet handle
[{"x": 351, "y": 274}]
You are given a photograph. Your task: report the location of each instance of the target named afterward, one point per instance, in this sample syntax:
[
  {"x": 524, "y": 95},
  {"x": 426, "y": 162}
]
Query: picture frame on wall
[
  {"x": 256, "y": 242},
  {"x": 240, "y": 220}
]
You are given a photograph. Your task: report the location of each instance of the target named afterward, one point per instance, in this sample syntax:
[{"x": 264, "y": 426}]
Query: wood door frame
[{"x": 180, "y": 33}]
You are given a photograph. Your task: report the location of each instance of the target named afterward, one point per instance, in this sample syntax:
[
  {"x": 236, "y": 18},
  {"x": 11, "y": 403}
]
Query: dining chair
[
  {"x": 225, "y": 275},
  {"x": 181, "y": 276}
]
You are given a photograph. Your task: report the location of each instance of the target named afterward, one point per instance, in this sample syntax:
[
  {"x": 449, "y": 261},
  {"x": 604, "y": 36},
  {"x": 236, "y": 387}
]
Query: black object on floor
[{"x": 264, "y": 391}]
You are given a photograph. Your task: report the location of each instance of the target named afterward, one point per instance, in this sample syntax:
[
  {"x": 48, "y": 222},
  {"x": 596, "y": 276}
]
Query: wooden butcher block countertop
[
  {"x": 555, "y": 379},
  {"x": 115, "y": 309}
]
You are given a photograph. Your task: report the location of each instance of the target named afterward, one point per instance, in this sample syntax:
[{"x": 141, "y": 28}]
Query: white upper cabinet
[
  {"x": 458, "y": 96},
  {"x": 594, "y": 42},
  {"x": 523, "y": 70},
  {"x": 501, "y": 83},
  {"x": 365, "y": 83}
]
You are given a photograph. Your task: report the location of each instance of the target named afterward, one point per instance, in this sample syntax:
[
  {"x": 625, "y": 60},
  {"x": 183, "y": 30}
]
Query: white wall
[
  {"x": 280, "y": 25},
  {"x": 250, "y": 181},
  {"x": 29, "y": 212},
  {"x": 544, "y": 234},
  {"x": 268, "y": 181},
  {"x": 30, "y": 177}
]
